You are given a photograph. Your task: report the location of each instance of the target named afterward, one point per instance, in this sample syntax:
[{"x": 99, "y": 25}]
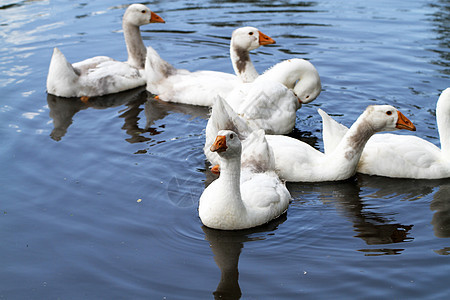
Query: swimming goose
[
  {"x": 263, "y": 106},
  {"x": 402, "y": 156},
  {"x": 200, "y": 87},
  {"x": 103, "y": 75},
  {"x": 243, "y": 196},
  {"x": 298, "y": 161},
  {"x": 272, "y": 100}
]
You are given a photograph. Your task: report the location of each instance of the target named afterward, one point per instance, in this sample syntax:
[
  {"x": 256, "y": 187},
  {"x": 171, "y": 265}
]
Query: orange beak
[
  {"x": 265, "y": 39},
  {"x": 404, "y": 123},
  {"x": 215, "y": 169},
  {"x": 220, "y": 144},
  {"x": 154, "y": 18}
]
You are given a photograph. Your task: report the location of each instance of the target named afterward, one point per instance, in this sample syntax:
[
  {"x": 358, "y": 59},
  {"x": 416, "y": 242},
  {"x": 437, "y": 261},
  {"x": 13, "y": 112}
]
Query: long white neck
[
  {"x": 290, "y": 72},
  {"x": 135, "y": 46},
  {"x": 242, "y": 64},
  {"x": 349, "y": 150},
  {"x": 230, "y": 178},
  {"x": 443, "y": 123}
]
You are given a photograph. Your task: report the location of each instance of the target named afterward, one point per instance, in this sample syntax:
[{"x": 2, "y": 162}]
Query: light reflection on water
[{"x": 74, "y": 171}]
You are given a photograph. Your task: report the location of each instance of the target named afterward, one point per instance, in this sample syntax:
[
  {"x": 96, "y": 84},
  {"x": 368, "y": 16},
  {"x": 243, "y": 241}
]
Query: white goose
[
  {"x": 200, "y": 87},
  {"x": 103, "y": 75},
  {"x": 269, "y": 111},
  {"x": 402, "y": 156},
  {"x": 242, "y": 197},
  {"x": 272, "y": 100},
  {"x": 298, "y": 161}
]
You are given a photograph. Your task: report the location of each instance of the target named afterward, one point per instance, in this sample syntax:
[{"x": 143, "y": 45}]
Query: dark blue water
[{"x": 99, "y": 201}]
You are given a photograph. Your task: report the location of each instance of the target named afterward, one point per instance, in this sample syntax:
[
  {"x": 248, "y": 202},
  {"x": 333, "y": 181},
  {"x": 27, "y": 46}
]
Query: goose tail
[
  {"x": 257, "y": 153},
  {"x": 223, "y": 117},
  {"x": 156, "y": 69},
  {"x": 61, "y": 75},
  {"x": 332, "y": 132}
]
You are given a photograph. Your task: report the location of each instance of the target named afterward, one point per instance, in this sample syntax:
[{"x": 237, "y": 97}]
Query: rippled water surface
[{"x": 99, "y": 200}]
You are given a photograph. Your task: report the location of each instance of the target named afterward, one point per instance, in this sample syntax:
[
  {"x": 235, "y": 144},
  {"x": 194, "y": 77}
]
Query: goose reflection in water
[
  {"x": 441, "y": 207},
  {"x": 62, "y": 110},
  {"x": 441, "y": 217},
  {"x": 412, "y": 190},
  {"x": 157, "y": 110},
  {"x": 227, "y": 246},
  {"x": 374, "y": 228}
]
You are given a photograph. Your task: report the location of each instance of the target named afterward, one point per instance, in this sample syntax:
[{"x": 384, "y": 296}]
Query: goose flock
[{"x": 250, "y": 113}]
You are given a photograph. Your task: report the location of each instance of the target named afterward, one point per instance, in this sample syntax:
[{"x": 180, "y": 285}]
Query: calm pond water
[{"x": 100, "y": 201}]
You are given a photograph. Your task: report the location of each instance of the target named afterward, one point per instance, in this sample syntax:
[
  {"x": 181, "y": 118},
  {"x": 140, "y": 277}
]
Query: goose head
[
  {"x": 386, "y": 118},
  {"x": 298, "y": 75},
  {"x": 249, "y": 38},
  {"x": 227, "y": 144},
  {"x": 139, "y": 14},
  {"x": 308, "y": 86}
]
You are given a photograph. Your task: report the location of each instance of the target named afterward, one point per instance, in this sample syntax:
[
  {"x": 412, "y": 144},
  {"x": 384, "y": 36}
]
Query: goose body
[
  {"x": 103, "y": 75},
  {"x": 298, "y": 161},
  {"x": 244, "y": 196},
  {"x": 201, "y": 87},
  {"x": 271, "y": 101},
  {"x": 401, "y": 156}
]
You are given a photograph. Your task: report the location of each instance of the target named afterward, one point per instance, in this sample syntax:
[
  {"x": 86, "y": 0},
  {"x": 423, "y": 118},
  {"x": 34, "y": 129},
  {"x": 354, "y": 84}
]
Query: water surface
[{"x": 99, "y": 200}]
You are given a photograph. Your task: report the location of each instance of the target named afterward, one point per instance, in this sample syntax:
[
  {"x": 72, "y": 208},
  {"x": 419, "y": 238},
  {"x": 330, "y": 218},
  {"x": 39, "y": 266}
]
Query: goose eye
[
  {"x": 250, "y": 33},
  {"x": 307, "y": 97},
  {"x": 389, "y": 112},
  {"x": 231, "y": 136},
  {"x": 143, "y": 11}
]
